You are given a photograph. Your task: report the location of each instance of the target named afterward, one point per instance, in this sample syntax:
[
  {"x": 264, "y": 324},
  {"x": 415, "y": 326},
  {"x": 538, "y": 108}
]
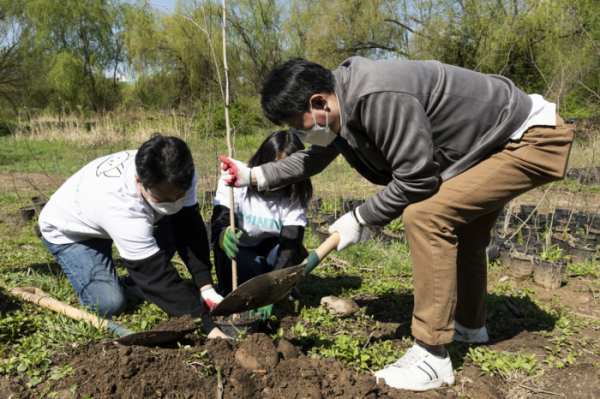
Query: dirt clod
[
  {"x": 257, "y": 353},
  {"x": 287, "y": 350},
  {"x": 341, "y": 307}
]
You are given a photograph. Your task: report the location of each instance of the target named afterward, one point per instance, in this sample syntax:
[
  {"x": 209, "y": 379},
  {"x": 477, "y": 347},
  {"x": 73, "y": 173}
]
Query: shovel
[
  {"x": 272, "y": 287},
  {"x": 127, "y": 337}
]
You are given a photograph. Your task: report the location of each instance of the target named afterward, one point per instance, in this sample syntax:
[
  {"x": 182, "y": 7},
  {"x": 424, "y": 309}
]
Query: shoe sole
[{"x": 424, "y": 386}]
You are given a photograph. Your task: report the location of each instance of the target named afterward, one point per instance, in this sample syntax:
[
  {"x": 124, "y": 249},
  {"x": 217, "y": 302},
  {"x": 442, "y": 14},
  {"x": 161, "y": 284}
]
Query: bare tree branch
[{"x": 408, "y": 28}]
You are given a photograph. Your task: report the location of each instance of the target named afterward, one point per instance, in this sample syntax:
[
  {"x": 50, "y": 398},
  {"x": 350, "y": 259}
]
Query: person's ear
[
  {"x": 138, "y": 182},
  {"x": 319, "y": 102}
]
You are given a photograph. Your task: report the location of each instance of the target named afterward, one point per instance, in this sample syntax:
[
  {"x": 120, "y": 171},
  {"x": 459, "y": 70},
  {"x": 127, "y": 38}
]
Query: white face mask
[
  {"x": 317, "y": 135},
  {"x": 165, "y": 208}
]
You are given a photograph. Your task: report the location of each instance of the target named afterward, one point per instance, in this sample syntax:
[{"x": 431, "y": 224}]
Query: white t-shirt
[
  {"x": 543, "y": 113},
  {"x": 103, "y": 201},
  {"x": 260, "y": 218}
]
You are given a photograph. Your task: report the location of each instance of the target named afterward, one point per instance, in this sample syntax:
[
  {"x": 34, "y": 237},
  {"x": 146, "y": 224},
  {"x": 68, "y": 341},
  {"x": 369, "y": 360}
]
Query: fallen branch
[
  {"x": 511, "y": 307},
  {"x": 343, "y": 262},
  {"x": 368, "y": 339},
  {"x": 366, "y": 269},
  {"x": 259, "y": 371},
  {"x": 542, "y": 391}
]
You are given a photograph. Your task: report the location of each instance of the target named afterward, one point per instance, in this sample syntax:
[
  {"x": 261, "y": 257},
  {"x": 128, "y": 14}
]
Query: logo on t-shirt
[
  {"x": 113, "y": 165},
  {"x": 260, "y": 222}
]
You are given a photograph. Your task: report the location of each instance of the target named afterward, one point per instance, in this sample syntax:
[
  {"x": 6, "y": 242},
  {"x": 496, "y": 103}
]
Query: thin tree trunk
[{"x": 234, "y": 282}]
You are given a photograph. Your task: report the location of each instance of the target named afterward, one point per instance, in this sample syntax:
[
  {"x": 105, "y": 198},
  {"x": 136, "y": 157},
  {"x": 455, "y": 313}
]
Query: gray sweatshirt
[{"x": 409, "y": 125}]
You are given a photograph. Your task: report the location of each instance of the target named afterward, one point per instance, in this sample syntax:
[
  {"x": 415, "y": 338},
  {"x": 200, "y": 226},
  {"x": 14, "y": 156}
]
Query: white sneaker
[
  {"x": 470, "y": 335},
  {"x": 418, "y": 370}
]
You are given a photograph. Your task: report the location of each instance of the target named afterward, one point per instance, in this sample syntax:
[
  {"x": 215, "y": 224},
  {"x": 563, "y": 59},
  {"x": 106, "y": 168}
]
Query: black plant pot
[
  {"x": 530, "y": 242},
  {"x": 233, "y": 330},
  {"x": 528, "y": 209},
  {"x": 587, "y": 239},
  {"x": 497, "y": 241},
  {"x": 492, "y": 253},
  {"x": 562, "y": 243},
  {"x": 387, "y": 238},
  {"x": 521, "y": 266},
  {"x": 315, "y": 225},
  {"x": 27, "y": 214},
  {"x": 583, "y": 254},
  {"x": 346, "y": 205},
  {"x": 315, "y": 204},
  {"x": 322, "y": 236},
  {"x": 541, "y": 221},
  {"x": 549, "y": 274}
]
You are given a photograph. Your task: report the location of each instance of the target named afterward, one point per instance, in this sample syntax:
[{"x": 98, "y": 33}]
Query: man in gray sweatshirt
[{"x": 450, "y": 146}]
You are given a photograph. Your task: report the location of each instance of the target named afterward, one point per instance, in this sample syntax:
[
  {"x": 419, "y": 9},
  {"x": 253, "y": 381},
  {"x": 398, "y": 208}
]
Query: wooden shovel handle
[
  {"x": 39, "y": 297},
  {"x": 320, "y": 253},
  {"x": 329, "y": 245}
]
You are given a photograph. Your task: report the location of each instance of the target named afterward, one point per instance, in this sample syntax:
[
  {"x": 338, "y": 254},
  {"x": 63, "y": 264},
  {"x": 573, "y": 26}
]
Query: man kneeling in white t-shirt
[
  {"x": 271, "y": 223},
  {"x": 145, "y": 202}
]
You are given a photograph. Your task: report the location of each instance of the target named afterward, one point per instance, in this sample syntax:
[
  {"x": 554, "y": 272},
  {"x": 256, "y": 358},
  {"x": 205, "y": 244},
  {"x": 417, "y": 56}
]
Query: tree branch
[{"x": 408, "y": 28}]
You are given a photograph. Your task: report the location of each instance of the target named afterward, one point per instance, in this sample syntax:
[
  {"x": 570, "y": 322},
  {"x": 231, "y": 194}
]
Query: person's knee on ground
[{"x": 110, "y": 303}]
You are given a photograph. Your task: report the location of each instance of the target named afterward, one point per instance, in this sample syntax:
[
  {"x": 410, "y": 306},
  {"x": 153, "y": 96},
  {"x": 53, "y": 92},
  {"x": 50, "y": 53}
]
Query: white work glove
[
  {"x": 349, "y": 229},
  {"x": 209, "y": 298},
  {"x": 235, "y": 173}
]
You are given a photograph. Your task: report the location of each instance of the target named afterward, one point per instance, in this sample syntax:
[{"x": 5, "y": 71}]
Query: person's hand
[
  {"x": 216, "y": 333},
  {"x": 209, "y": 298},
  {"x": 235, "y": 173},
  {"x": 228, "y": 242},
  {"x": 349, "y": 229}
]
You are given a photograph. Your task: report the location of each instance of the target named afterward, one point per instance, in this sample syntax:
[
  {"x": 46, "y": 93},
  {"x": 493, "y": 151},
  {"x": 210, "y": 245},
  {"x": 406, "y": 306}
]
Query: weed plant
[{"x": 553, "y": 254}]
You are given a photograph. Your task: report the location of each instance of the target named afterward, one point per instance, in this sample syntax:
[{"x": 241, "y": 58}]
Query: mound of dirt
[
  {"x": 107, "y": 371},
  {"x": 8, "y": 302},
  {"x": 257, "y": 353},
  {"x": 287, "y": 351}
]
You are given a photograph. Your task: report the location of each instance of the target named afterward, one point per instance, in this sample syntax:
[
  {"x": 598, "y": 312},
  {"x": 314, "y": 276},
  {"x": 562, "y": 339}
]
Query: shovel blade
[
  {"x": 152, "y": 338},
  {"x": 260, "y": 291}
]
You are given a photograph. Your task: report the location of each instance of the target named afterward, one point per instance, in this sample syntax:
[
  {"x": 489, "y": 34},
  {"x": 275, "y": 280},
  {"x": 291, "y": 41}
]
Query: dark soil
[
  {"x": 184, "y": 323},
  {"x": 106, "y": 371},
  {"x": 228, "y": 319},
  {"x": 8, "y": 302}
]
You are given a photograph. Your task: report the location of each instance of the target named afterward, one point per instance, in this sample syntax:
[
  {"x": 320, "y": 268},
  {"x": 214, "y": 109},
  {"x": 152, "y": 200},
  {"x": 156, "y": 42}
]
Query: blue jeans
[
  {"x": 90, "y": 268},
  {"x": 251, "y": 262}
]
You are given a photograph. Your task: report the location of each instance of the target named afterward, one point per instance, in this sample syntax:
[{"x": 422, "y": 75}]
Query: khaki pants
[{"x": 449, "y": 232}]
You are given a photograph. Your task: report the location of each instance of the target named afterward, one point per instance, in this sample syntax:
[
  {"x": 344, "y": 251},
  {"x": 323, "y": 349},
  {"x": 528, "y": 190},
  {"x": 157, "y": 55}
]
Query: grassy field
[{"x": 549, "y": 346}]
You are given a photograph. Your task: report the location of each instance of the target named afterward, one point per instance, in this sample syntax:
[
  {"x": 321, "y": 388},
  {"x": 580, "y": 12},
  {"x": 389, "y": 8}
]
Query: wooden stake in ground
[{"x": 229, "y": 146}]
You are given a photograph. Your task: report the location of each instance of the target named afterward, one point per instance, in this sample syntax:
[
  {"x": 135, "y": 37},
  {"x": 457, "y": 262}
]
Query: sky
[{"x": 168, "y": 3}]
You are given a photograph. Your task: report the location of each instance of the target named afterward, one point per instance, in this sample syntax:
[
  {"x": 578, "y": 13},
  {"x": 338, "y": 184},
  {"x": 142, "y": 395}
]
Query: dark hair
[
  {"x": 289, "y": 87},
  {"x": 165, "y": 158},
  {"x": 273, "y": 146}
]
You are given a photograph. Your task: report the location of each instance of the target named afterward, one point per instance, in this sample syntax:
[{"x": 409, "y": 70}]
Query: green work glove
[
  {"x": 265, "y": 311},
  {"x": 229, "y": 241}
]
